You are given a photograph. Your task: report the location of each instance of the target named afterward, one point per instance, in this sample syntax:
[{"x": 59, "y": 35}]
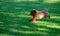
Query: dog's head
[{"x": 33, "y": 12}]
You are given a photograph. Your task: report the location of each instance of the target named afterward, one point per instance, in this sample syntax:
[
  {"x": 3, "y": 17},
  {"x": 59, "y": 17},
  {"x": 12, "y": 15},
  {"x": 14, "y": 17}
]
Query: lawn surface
[{"x": 15, "y": 15}]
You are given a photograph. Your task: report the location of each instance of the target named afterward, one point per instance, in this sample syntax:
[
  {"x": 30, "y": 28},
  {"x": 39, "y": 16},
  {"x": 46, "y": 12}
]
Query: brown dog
[{"x": 38, "y": 15}]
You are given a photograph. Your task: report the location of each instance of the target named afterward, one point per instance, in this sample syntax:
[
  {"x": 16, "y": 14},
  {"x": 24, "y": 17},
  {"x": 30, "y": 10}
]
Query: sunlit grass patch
[
  {"x": 57, "y": 17},
  {"x": 23, "y": 0},
  {"x": 27, "y": 32},
  {"x": 51, "y": 1},
  {"x": 48, "y": 24},
  {"x": 44, "y": 29},
  {"x": 5, "y": 35}
]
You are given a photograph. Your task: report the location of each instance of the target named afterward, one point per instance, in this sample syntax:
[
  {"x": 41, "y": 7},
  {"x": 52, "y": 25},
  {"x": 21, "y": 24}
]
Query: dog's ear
[{"x": 33, "y": 12}]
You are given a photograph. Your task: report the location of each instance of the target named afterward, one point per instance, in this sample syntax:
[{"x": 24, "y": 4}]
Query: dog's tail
[{"x": 46, "y": 13}]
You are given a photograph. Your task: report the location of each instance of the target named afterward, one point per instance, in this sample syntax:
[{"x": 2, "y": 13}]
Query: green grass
[{"x": 14, "y": 19}]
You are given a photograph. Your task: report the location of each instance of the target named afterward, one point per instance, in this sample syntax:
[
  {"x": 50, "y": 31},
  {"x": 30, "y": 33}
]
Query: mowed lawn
[{"x": 15, "y": 16}]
